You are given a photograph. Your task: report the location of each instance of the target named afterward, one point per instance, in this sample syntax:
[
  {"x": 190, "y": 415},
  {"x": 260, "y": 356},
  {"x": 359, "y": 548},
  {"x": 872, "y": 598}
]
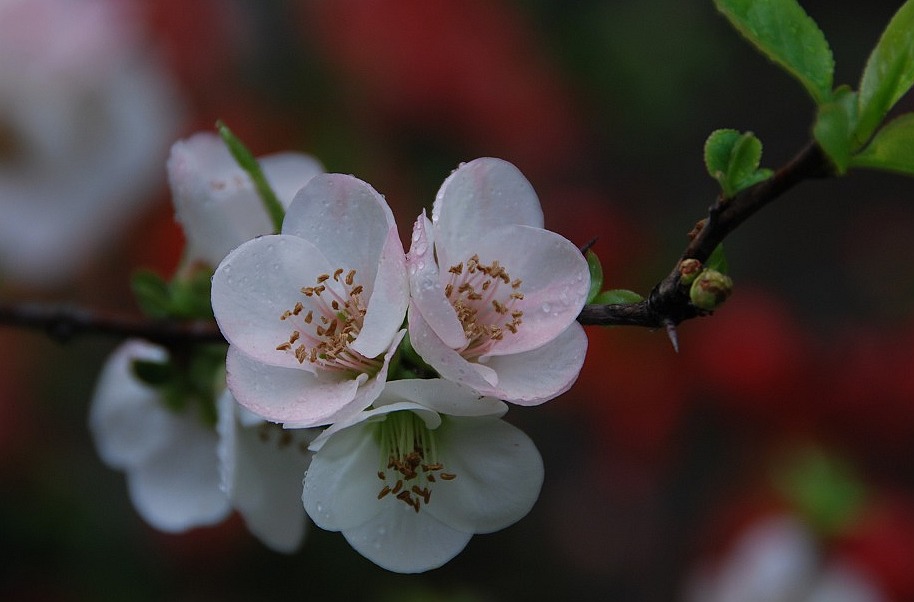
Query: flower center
[
  {"x": 484, "y": 297},
  {"x": 327, "y": 322},
  {"x": 409, "y": 459}
]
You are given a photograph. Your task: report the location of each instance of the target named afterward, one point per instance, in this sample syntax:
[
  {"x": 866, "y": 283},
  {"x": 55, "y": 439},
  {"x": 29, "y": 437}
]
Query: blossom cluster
[{"x": 378, "y": 376}]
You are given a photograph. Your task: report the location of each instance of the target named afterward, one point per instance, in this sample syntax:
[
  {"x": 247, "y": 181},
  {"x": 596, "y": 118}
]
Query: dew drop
[{"x": 546, "y": 308}]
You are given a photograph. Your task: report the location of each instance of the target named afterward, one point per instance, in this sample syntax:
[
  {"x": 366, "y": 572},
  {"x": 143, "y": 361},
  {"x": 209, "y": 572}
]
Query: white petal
[
  {"x": 287, "y": 173},
  {"x": 499, "y": 474},
  {"x": 431, "y": 418},
  {"x": 554, "y": 281},
  {"x": 477, "y": 197},
  {"x": 127, "y": 418},
  {"x": 398, "y": 539},
  {"x": 426, "y": 289},
  {"x": 255, "y": 284},
  {"x": 388, "y": 302},
  {"x": 178, "y": 487},
  {"x": 288, "y": 394},
  {"x": 341, "y": 487},
  {"x": 346, "y": 219},
  {"x": 441, "y": 396},
  {"x": 449, "y": 364},
  {"x": 532, "y": 377},
  {"x": 215, "y": 201},
  {"x": 262, "y": 471}
]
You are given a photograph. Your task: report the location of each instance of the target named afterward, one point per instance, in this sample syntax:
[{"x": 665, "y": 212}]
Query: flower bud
[
  {"x": 710, "y": 289},
  {"x": 689, "y": 270}
]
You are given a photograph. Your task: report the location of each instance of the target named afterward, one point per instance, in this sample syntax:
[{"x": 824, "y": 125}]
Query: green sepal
[
  {"x": 823, "y": 490},
  {"x": 889, "y": 72},
  {"x": 834, "y": 128},
  {"x": 596, "y": 275},
  {"x": 152, "y": 293},
  {"x": 892, "y": 147},
  {"x": 617, "y": 296},
  {"x": 784, "y": 33},
  {"x": 249, "y": 164},
  {"x": 153, "y": 373},
  {"x": 718, "y": 260},
  {"x": 732, "y": 158}
]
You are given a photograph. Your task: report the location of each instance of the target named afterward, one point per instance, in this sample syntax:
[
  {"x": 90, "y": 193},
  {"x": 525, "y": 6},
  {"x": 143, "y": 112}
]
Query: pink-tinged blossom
[
  {"x": 411, "y": 480},
  {"x": 169, "y": 457},
  {"x": 86, "y": 116},
  {"x": 216, "y": 202},
  {"x": 494, "y": 295},
  {"x": 313, "y": 314}
]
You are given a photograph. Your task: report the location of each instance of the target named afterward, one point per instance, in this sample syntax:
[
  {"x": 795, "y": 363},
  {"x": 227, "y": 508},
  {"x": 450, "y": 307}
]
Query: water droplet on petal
[{"x": 546, "y": 308}]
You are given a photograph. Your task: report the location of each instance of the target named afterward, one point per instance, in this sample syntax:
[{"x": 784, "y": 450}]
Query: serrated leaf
[
  {"x": 718, "y": 148},
  {"x": 834, "y": 128},
  {"x": 152, "y": 293},
  {"x": 596, "y": 275},
  {"x": 783, "y": 31},
  {"x": 618, "y": 296},
  {"x": 744, "y": 161},
  {"x": 718, "y": 260},
  {"x": 889, "y": 72},
  {"x": 249, "y": 164},
  {"x": 892, "y": 148}
]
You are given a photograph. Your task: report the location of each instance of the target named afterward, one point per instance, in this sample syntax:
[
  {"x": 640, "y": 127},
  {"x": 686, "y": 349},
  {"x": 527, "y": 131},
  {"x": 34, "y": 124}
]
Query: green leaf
[
  {"x": 153, "y": 373},
  {"x": 892, "y": 148},
  {"x": 249, "y": 164},
  {"x": 190, "y": 298},
  {"x": 889, "y": 72},
  {"x": 596, "y": 275},
  {"x": 618, "y": 296},
  {"x": 834, "y": 128},
  {"x": 152, "y": 293},
  {"x": 783, "y": 31},
  {"x": 718, "y": 260},
  {"x": 732, "y": 158}
]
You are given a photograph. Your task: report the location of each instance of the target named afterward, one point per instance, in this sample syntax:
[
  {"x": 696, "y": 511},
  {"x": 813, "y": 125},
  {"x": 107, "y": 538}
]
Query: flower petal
[
  {"x": 388, "y": 302},
  {"x": 499, "y": 474},
  {"x": 287, "y": 173},
  {"x": 288, "y": 394},
  {"x": 532, "y": 377},
  {"x": 177, "y": 488},
  {"x": 255, "y": 284},
  {"x": 346, "y": 219},
  {"x": 127, "y": 418},
  {"x": 477, "y": 197},
  {"x": 554, "y": 281},
  {"x": 262, "y": 471},
  {"x": 441, "y": 396},
  {"x": 449, "y": 364},
  {"x": 426, "y": 289},
  {"x": 399, "y": 540},
  {"x": 340, "y": 487}
]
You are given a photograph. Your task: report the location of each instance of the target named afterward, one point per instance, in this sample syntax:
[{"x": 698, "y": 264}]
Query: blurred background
[{"x": 771, "y": 459}]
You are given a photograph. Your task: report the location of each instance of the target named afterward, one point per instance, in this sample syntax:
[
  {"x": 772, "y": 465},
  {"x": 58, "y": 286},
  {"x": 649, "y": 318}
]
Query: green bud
[
  {"x": 710, "y": 289},
  {"x": 689, "y": 270}
]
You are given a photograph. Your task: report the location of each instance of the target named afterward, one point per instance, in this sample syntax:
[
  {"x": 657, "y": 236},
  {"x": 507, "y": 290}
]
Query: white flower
[
  {"x": 494, "y": 295},
  {"x": 215, "y": 200},
  {"x": 779, "y": 560},
  {"x": 313, "y": 315},
  {"x": 86, "y": 116},
  {"x": 409, "y": 482},
  {"x": 262, "y": 466},
  {"x": 170, "y": 457}
]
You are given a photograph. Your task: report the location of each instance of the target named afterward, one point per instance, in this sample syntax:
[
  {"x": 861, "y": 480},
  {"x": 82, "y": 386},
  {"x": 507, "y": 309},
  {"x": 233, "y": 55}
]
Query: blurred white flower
[
  {"x": 215, "y": 200},
  {"x": 778, "y": 560},
  {"x": 169, "y": 457},
  {"x": 86, "y": 115}
]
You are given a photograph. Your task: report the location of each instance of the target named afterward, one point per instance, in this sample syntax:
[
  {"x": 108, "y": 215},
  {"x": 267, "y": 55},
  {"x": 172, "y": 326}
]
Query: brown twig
[
  {"x": 668, "y": 303},
  {"x": 64, "y": 323}
]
